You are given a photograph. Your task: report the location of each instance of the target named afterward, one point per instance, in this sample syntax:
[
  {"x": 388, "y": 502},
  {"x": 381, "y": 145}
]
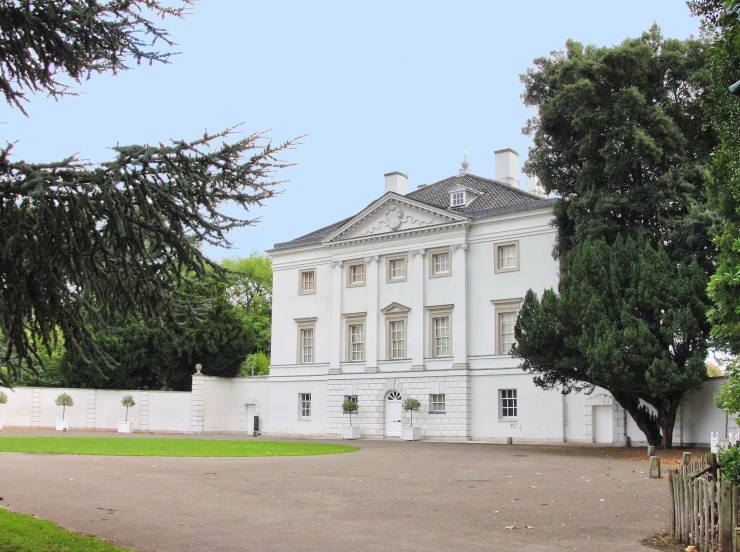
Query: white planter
[
  {"x": 409, "y": 433},
  {"x": 1, "y": 422},
  {"x": 125, "y": 427},
  {"x": 62, "y": 424},
  {"x": 351, "y": 432}
]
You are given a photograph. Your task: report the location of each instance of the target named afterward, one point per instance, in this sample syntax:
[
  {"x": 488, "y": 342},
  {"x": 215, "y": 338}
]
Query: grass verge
[
  {"x": 22, "y": 533},
  {"x": 112, "y": 446}
]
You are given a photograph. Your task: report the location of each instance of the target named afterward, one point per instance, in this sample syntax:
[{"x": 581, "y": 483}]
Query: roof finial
[{"x": 465, "y": 164}]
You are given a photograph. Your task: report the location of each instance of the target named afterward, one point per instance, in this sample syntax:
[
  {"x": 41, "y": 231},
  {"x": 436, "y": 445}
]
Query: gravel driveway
[{"x": 389, "y": 495}]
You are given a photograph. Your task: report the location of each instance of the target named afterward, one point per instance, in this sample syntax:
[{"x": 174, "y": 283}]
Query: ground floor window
[
  {"x": 437, "y": 403},
  {"x": 305, "y": 400},
  {"x": 507, "y": 404}
]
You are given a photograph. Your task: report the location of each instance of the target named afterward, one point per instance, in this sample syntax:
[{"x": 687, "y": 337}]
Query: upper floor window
[
  {"x": 506, "y": 257},
  {"x": 356, "y": 342},
  {"x": 396, "y": 270},
  {"x": 440, "y": 264},
  {"x": 307, "y": 346},
  {"x": 505, "y": 313},
  {"x": 441, "y": 336},
  {"x": 507, "y": 321},
  {"x": 306, "y": 340},
  {"x": 457, "y": 199},
  {"x": 307, "y": 282},
  {"x": 356, "y": 275},
  {"x": 397, "y": 334}
]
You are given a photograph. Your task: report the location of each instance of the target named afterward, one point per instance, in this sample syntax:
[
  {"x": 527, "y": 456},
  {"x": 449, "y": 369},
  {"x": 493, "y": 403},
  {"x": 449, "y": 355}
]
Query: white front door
[{"x": 393, "y": 414}]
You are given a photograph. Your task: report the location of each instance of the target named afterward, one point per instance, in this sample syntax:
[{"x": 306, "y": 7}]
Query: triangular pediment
[
  {"x": 395, "y": 308},
  {"x": 393, "y": 214}
]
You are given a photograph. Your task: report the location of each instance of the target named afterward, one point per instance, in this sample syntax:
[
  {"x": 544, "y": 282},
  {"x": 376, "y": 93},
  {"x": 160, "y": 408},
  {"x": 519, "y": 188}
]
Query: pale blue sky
[{"x": 377, "y": 87}]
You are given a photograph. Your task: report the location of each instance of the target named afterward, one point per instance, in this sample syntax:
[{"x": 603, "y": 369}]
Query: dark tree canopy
[
  {"x": 86, "y": 245},
  {"x": 723, "y": 111},
  {"x": 622, "y": 138},
  {"x": 627, "y": 319},
  {"x": 45, "y": 42}
]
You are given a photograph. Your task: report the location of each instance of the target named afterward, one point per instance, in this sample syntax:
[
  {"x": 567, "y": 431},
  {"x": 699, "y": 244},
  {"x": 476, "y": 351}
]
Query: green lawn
[
  {"x": 22, "y": 533},
  {"x": 112, "y": 446}
]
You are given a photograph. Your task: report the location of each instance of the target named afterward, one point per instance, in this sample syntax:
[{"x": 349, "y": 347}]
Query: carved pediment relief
[{"x": 392, "y": 216}]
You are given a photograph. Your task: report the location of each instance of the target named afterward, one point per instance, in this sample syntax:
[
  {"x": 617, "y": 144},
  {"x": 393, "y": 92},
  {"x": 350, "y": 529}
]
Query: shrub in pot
[
  {"x": 409, "y": 432},
  {"x": 125, "y": 426},
  {"x": 350, "y": 431},
  {"x": 64, "y": 401},
  {"x": 3, "y": 400}
]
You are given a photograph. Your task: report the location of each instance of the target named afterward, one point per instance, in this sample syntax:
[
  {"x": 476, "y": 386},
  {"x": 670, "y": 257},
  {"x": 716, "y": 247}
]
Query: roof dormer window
[{"x": 457, "y": 199}]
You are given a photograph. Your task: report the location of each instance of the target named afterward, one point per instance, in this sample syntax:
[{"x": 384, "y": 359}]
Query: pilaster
[
  {"x": 371, "y": 331},
  {"x": 196, "y": 402},
  {"x": 460, "y": 312},
  {"x": 144, "y": 411},
  {"x": 415, "y": 331},
  {"x": 91, "y": 409},
  {"x": 35, "y": 407},
  {"x": 335, "y": 331}
]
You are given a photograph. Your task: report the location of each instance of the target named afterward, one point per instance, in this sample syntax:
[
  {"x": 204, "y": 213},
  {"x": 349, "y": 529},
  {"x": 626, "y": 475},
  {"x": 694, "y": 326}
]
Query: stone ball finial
[
  {"x": 465, "y": 164},
  {"x": 198, "y": 368}
]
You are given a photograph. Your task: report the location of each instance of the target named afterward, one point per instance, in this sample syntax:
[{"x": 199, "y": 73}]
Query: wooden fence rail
[{"x": 702, "y": 510}]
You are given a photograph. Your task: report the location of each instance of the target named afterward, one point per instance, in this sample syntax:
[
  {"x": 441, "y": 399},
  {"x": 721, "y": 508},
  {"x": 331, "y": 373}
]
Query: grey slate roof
[{"x": 494, "y": 195}]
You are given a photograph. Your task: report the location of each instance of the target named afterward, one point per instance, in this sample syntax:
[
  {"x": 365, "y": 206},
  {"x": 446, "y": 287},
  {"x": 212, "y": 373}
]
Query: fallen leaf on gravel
[
  {"x": 510, "y": 527},
  {"x": 691, "y": 549},
  {"x": 528, "y": 527},
  {"x": 533, "y": 487}
]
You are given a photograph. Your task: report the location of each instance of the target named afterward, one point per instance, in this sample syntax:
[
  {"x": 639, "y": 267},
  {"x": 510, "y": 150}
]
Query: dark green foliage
[
  {"x": 411, "y": 405},
  {"x": 620, "y": 136},
  {"x": 730, "y": 462},
  {"x": 43, "y": 39},
  {"x": 164, "y": 356},
  {"x": 627, "y": 319},
  {"x": 89, "y": 246},
  {"x": 723, "y": 111},
  {"x": 349, "y": 407}
]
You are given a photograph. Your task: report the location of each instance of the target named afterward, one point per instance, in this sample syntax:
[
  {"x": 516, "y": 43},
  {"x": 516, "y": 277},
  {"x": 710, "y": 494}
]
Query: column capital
[
  {"x": 457, "y": 246},
  {"x": 335, "y": 264},
  {"x": 372, "y": 259},
  {"x": 415, "y": 252}
]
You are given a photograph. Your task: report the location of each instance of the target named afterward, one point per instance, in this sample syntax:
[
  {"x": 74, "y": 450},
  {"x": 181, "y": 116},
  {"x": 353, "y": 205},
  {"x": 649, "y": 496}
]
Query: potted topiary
[
  {"x": 125, "y": 426},
  {"x": 3, "y": 400},
  {"x": 64, "y": 401},
  {"x": 350, "y": 431},
  {"x": 409, "y": 432}
]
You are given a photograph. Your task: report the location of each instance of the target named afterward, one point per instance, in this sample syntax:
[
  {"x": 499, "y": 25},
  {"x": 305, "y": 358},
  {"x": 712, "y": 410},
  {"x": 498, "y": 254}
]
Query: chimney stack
[
  {"x": 534, "y": 186},
  {"x": 507, "y": 167},
  {"x": 395, "y": 182}
]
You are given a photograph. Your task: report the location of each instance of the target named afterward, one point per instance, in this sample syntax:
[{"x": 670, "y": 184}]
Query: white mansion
[{"x": 417, "y": 296}]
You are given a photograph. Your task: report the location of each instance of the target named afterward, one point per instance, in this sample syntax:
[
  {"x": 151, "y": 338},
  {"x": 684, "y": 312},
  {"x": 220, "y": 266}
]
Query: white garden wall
[
  {"x": 97, "y": 409},
  {"x": 222, "y": 405}
]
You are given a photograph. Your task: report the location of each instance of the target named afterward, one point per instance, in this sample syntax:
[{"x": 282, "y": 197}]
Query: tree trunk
[
  {"x": 647, "y": 423},
  {"x": 667, "y": 419}
]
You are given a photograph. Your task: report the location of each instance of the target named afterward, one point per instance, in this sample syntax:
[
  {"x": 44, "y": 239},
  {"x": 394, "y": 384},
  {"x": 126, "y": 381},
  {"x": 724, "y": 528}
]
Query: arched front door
[{"x": 393, "y": 414}]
